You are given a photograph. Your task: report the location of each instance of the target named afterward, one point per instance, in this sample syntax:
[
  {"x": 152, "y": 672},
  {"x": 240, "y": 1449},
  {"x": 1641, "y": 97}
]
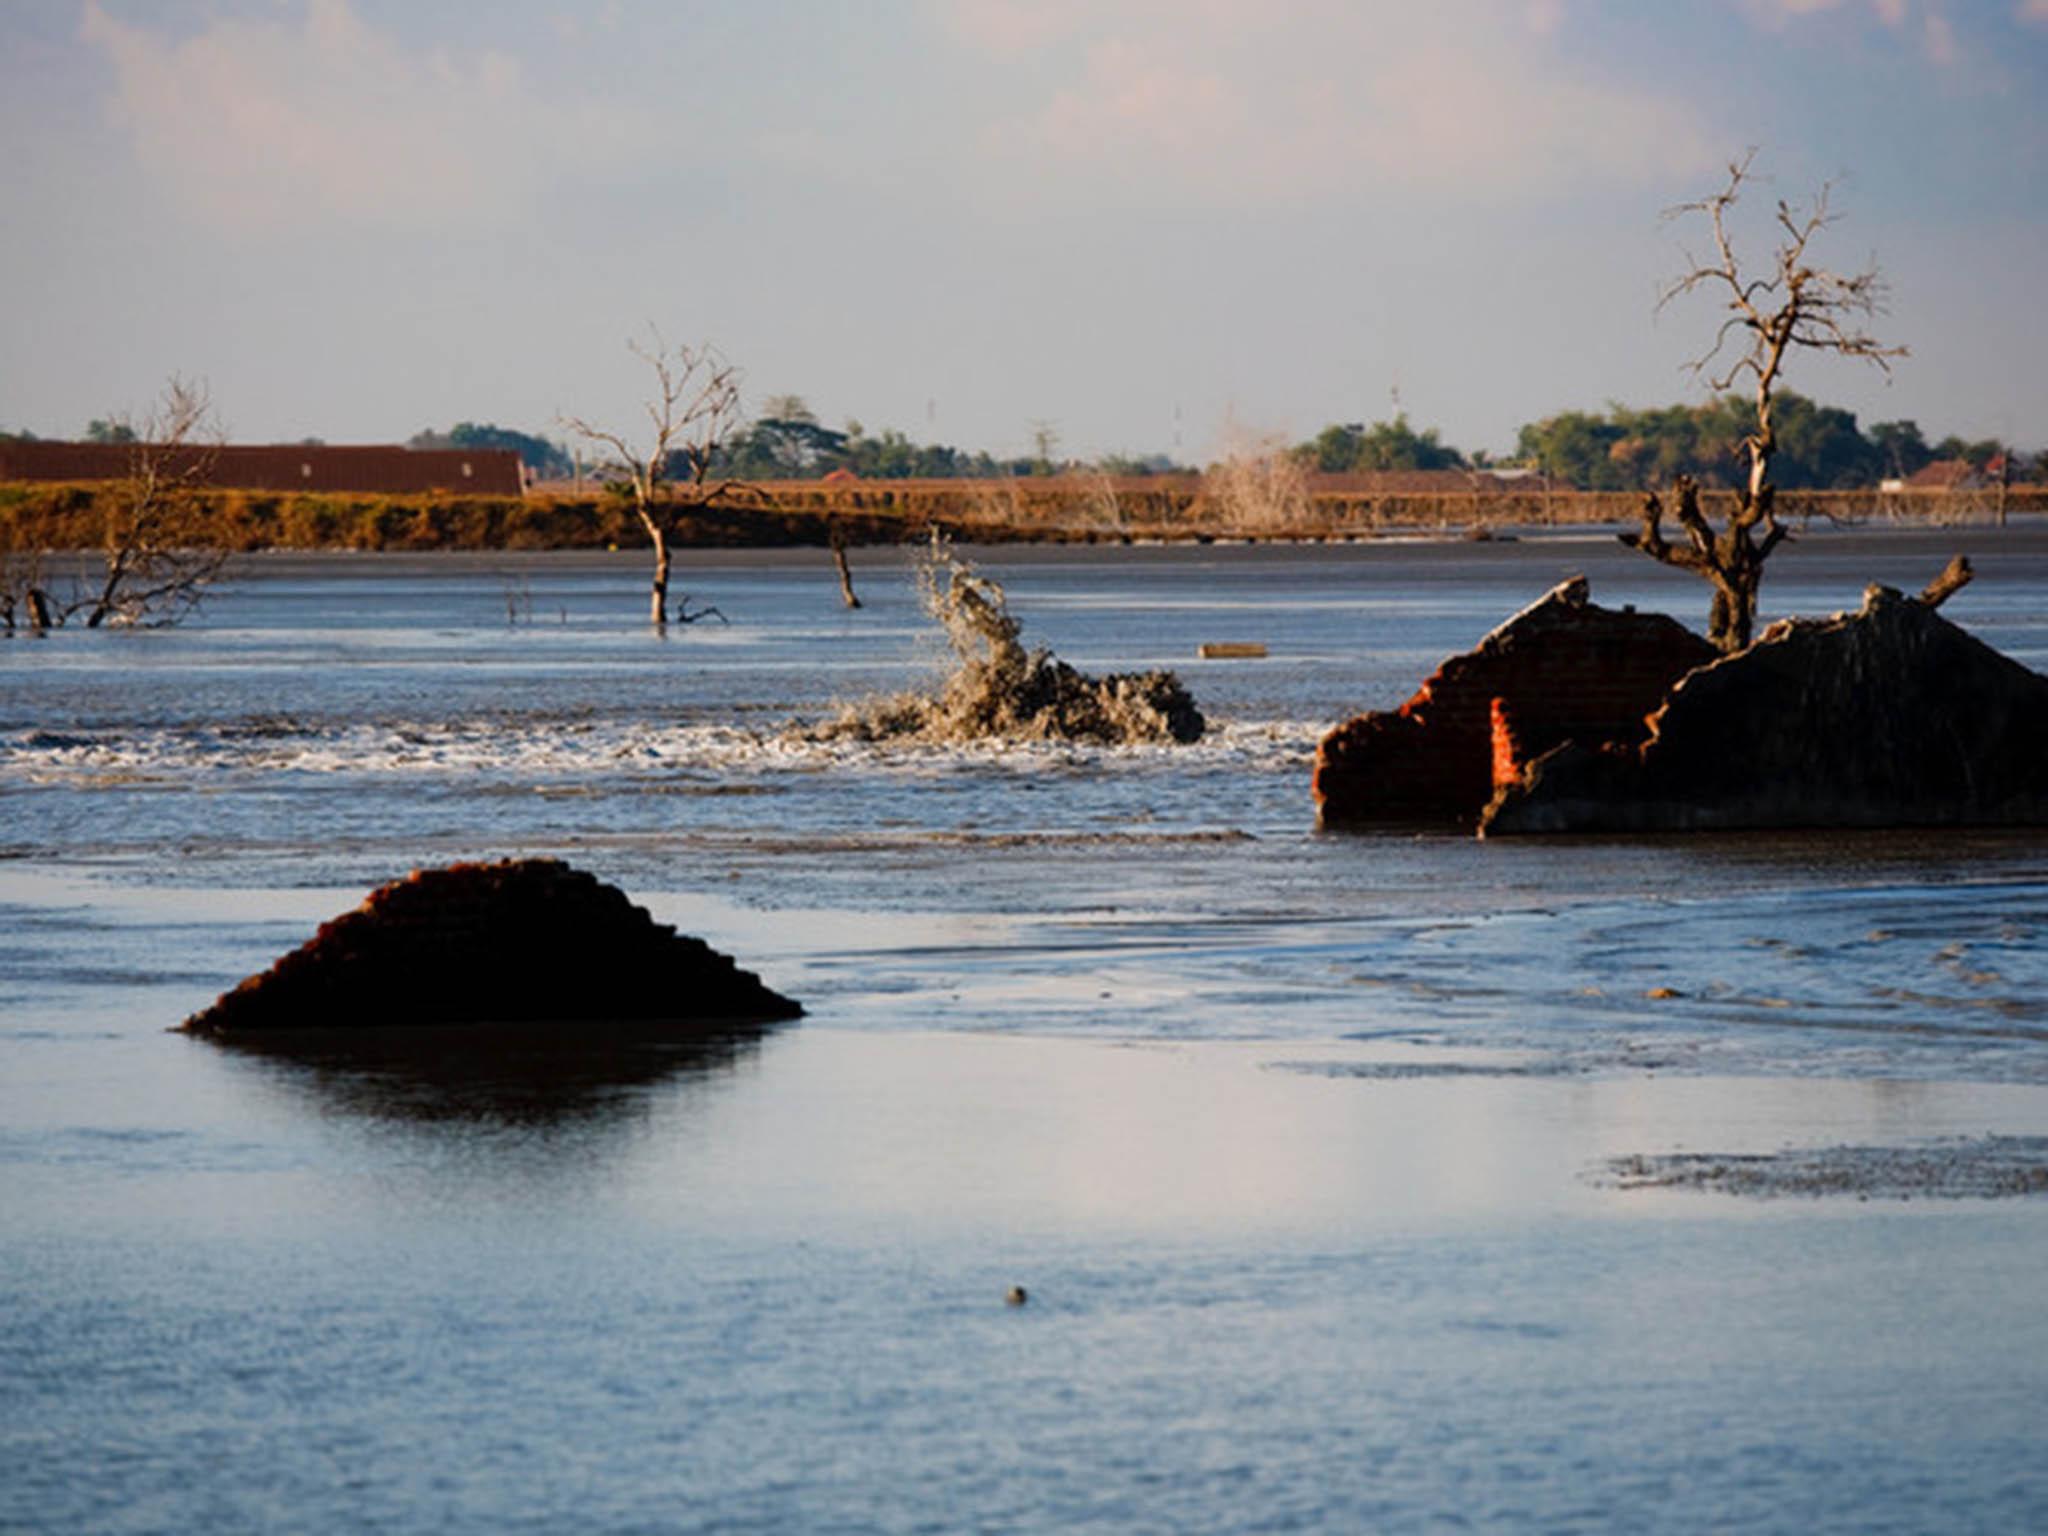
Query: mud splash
[{"x": 1000, "y": 691}]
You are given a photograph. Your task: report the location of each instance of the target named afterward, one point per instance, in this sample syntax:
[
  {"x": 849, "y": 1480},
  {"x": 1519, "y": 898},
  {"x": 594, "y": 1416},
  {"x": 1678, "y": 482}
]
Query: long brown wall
[{"x": 374, "y": 469}]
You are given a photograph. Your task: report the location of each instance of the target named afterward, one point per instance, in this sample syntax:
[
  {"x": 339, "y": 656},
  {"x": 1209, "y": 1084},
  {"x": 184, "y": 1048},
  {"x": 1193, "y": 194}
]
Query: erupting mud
[{"x": 998, "y": 690}]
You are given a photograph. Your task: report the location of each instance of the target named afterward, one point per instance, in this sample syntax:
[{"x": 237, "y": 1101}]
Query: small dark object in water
[
  {"x": 522, "y": 941},
  {"x": 1016, "y": 1296}
]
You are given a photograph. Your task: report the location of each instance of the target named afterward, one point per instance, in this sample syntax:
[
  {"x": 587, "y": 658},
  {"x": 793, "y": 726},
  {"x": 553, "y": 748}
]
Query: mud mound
[
  {"x": 1890, "y": 716},
  {"x": 999, "y": 690},
  {"x": 518, "y": 942}
]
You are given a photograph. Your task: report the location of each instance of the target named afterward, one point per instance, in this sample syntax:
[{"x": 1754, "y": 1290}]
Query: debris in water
[{"x": 998, "y": 690}]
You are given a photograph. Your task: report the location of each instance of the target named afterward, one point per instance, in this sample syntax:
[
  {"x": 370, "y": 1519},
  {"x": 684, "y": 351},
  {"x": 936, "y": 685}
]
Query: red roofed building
[{"x": 376, "y": 469}]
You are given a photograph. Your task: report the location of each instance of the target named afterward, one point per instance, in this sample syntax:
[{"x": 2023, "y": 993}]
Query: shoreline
[{"x": 59, "y": 516}]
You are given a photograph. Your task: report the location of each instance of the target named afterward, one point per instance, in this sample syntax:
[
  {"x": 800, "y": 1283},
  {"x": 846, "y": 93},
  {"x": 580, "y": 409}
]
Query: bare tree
[
  {"x": 160, "y": 551},
  {"x": 24, "y": 599},
  {"x": 1795, "y": 305},
  {"x": 693, "y": 411},
  {"x": 1258, "y": 487},
  {"x": 835, "y": 536}
]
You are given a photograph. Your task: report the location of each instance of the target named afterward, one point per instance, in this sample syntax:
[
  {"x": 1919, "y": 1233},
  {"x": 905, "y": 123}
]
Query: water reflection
[{"x": 490, "y": 1074}]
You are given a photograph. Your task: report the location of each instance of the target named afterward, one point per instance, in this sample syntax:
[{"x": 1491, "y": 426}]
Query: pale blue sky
[{"x": 1130, "y": 218}]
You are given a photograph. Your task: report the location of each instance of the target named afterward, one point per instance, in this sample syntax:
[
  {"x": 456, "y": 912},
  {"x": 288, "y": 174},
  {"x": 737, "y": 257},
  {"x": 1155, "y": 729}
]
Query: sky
[{"x": 1144, "y": 225}]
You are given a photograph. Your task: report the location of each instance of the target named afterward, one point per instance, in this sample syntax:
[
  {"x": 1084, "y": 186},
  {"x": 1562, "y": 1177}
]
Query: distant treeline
[{"x": 1819, "y": 447}]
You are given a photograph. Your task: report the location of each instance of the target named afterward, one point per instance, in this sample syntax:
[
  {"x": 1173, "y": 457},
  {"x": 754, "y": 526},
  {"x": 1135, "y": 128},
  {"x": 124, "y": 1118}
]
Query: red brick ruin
[{"x": 1562, "y": 669}]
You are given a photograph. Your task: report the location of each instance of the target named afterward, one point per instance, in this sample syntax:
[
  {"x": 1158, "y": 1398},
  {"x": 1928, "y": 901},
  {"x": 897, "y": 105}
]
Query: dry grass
[{"x": 1084, "y": 509}]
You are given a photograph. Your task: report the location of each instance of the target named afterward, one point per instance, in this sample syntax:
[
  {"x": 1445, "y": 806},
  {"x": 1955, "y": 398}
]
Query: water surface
[{"x": 1290, "y": 1135}]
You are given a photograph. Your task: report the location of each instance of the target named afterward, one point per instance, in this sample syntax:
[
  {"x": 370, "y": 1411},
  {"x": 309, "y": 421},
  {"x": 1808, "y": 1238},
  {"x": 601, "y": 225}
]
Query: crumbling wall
[
  {"x": 1562, "y": 669},
  {"x": 1890, "y": 716}
]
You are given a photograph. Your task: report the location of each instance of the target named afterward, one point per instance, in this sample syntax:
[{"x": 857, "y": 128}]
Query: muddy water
[{"x": 1301, "y": 1144}]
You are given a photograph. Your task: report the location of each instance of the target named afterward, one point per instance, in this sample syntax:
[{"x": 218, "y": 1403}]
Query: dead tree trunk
[
  {"x": 658, "y": 610},
  {"x": 1731, "y": 560},
  {"x": 1799, "y": 305},
  {"x": 1953, "y": 578},
  {"x": 835, "y": 535},
  {"x": 691, "y": 415}
]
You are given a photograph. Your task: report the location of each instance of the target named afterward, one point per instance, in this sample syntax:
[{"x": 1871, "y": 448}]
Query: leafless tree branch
[
  {"x": 692, "y": 411},
  {"x": 1791, "y": 304}
]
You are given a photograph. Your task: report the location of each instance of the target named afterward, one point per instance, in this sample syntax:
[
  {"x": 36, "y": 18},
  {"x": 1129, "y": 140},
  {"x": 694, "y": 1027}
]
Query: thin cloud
[
  {"x": 1939, "y": 43},
  {"x": 1939, "y": 39},
  {"x": 1779, "y": 14},
  {"x": 320, "y": 116},
  {"x": 1263, "y": 100}
]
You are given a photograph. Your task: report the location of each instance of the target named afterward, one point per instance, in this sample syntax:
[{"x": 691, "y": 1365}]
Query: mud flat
[{"x": 1961, "y": 1168}]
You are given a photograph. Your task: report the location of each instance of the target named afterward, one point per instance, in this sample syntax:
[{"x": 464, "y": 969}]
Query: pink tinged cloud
[
  {"x": 1209, "y": 102},
  {"x": 268, "y": 123},
  {"x": 1781, "y": 13},
  {"x": 1939, "y": 39}
]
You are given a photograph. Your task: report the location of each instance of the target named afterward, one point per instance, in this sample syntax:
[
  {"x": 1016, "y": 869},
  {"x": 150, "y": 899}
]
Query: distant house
[
  {"x": 1951, "y": 475},
  {"x": 375, "y": 469}
]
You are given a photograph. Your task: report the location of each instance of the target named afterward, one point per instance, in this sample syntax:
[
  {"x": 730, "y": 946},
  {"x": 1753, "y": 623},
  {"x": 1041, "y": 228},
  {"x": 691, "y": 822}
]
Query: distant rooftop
[{"x": 376, "y": 469}]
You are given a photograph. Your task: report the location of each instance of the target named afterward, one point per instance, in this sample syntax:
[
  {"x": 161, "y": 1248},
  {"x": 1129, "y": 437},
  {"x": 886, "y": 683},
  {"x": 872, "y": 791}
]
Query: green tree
[
  {"x": 546, "y": 460},
  {"x": 1577, "y": 447},
  {"x": 1820, "y": 448},
  {"x": 1977, "y": 454},
  {"x": 1901, "y": 450},
  {"x": 1384, "y": 445}
]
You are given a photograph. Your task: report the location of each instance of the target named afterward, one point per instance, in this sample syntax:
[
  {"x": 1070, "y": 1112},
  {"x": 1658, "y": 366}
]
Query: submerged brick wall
[{"x": 1562, "y": 669}]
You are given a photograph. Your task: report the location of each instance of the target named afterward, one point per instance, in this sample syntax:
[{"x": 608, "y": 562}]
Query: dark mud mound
[
  {"x": 1887, "y": 717},
  {"x": 523, "y": 941},
  {"x": 998, "y": 690}
]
